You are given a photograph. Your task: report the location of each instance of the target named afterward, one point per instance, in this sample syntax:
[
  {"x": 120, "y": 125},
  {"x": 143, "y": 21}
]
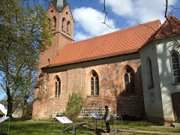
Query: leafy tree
[
  {"x": 74, "y": 106},
  {"x": 23, "y": 34}
]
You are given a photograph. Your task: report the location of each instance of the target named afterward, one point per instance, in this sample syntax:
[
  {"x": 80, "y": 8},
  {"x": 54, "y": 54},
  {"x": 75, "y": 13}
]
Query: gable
[{"x": 170, "y": 28}]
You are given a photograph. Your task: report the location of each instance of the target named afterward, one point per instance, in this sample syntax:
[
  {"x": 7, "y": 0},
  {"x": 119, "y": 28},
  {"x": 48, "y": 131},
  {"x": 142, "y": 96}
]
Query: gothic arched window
[
  {"x": 129, "y": 79},
  {"x": 57, "y": 87},
  {"x": 94, "y": 83},
  {"x": 54, "y": 23},
  {"x": 49, "y": 23},
  {"x": 175, "y": 66},
  {"x": 63, "y": 27},
  {"x": 68, "y": 27},
  {"x": 150, "y": 80}
]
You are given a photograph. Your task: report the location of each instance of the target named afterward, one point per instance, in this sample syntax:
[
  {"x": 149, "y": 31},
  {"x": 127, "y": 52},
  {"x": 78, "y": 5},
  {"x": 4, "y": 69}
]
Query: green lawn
[
  {"x": 145, "y": 126},
  {"x": 54, "y": 128},
  {"x": 38, "y": 128}
]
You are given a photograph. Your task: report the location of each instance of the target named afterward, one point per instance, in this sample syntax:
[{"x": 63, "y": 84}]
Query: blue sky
[
  {"x": 2, "y": 94},
  {"x": 88, "y": 15}
]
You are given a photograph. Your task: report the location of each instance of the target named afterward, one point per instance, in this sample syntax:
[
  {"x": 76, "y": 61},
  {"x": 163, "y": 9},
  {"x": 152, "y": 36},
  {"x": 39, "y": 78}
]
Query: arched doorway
[
  {"x": 130, "y": 104},
  {"x": 129, "y": 80},
  {"x": 176, "y": 105}
]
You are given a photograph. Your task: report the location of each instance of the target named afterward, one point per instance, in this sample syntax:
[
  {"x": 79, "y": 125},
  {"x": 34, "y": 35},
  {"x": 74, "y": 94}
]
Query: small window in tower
[
  {"x": 63, "y": 24},
  {"x": 69, "y": 27},
  {"x": 54, "y": 23},
  {"x": 49, "y": 23}
]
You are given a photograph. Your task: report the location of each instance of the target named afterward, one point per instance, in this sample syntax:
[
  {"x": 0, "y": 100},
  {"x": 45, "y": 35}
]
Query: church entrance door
[{"x": 176, "y": 105}]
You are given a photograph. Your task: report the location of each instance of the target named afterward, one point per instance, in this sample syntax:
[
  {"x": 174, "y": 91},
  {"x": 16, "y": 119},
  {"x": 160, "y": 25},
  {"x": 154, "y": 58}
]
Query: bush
[{"x": 74, "y": 106}]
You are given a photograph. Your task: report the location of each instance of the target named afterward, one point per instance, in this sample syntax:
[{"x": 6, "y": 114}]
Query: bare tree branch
[
  {"x": 166, "y": 10},
  {"x": 2, "y": 86},
  {"x": 105, "y": 16},
  {"x": 105, "y": 12}
]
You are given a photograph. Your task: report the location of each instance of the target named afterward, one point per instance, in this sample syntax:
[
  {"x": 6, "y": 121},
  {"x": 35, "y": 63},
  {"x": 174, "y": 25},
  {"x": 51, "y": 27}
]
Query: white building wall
[
  {"x": 152, "y": 97},
  {"x": 167, "y": 85},
  {"x": 158, "y": 100}
]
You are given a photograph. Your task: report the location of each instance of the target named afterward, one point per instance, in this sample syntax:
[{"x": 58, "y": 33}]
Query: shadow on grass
[{"x": 3, "y": 134}]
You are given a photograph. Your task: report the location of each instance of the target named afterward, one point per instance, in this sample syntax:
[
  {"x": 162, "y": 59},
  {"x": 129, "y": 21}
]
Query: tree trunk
[
  {"x": 10, "y": 103},
  {"x": 24, "y": 107}
]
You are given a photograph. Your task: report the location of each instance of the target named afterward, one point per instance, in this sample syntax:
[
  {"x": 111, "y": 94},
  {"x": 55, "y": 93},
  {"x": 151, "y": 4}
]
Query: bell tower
[
  {"x": 59, "y": 4},
  {"x": 61, "y": 23}
]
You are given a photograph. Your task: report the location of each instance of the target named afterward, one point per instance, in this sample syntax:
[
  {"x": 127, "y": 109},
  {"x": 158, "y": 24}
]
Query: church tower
[{"x": 61, "y": 23}]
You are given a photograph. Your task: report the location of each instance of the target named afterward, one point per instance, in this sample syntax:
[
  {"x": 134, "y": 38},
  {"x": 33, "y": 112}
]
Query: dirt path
[{"x": 140, "y": 132}]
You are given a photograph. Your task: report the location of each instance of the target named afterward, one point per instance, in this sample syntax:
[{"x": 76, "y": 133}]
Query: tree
[
  {"x": 23, "y": 34},
  {"x": 74, "y": 105}
]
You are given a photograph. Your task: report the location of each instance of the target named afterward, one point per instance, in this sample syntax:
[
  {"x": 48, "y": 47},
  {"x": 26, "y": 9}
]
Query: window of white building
[
  {"x": 150, "y": 80},
  {"x": 175, "y": 66}
]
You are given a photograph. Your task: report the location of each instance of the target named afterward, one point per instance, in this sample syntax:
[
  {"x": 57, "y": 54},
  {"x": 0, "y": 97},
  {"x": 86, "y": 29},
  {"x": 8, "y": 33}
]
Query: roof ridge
[{"x": 120, "y": 30}]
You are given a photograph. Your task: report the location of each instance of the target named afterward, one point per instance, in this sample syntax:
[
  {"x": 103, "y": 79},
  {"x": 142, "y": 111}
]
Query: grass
[
  {"x": 145, "y": 126},
  {"x": 53, "y": 128},
  {"x": 38, "y": 128}
]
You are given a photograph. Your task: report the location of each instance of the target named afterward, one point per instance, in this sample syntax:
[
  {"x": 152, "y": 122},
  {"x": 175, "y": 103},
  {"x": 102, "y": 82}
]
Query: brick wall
[
  {"x": 131, "y": 106},
  {"x": 111, "y": 87},
  {"x": 60, "y": 37}
]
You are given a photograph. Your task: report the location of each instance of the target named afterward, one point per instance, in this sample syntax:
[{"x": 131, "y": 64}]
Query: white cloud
[
  {"x": 91, "y": 21},
  {"x": 120, "y": 7},
  {"x": 139, "y": 10},
  {"x": 81, "y": 36}
]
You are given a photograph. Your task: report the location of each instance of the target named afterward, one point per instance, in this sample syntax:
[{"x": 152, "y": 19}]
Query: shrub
[{"x": 74, "y": 106}]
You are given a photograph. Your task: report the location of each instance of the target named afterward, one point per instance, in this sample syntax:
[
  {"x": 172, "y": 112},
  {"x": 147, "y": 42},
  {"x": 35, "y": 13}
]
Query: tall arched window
[
  {"x": 54, "y": 23},
  {"x": 49, "y": 23},
  {"x": 68, "y": 27},
  {"x": 57, "y": 87},
  {"x": 129, "y": 79},
  {"x": 175, "y": 66},
  {"x": 94, "y": 83},
  {"x": 63, "y": 27},
  {"x": 150, "y": 80}
]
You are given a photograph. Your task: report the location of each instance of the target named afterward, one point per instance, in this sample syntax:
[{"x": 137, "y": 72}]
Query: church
[{"x": 135, "y": 71}]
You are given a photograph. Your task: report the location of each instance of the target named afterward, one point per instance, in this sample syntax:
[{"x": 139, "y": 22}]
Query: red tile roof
[{"x": 117, "y": 43}]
